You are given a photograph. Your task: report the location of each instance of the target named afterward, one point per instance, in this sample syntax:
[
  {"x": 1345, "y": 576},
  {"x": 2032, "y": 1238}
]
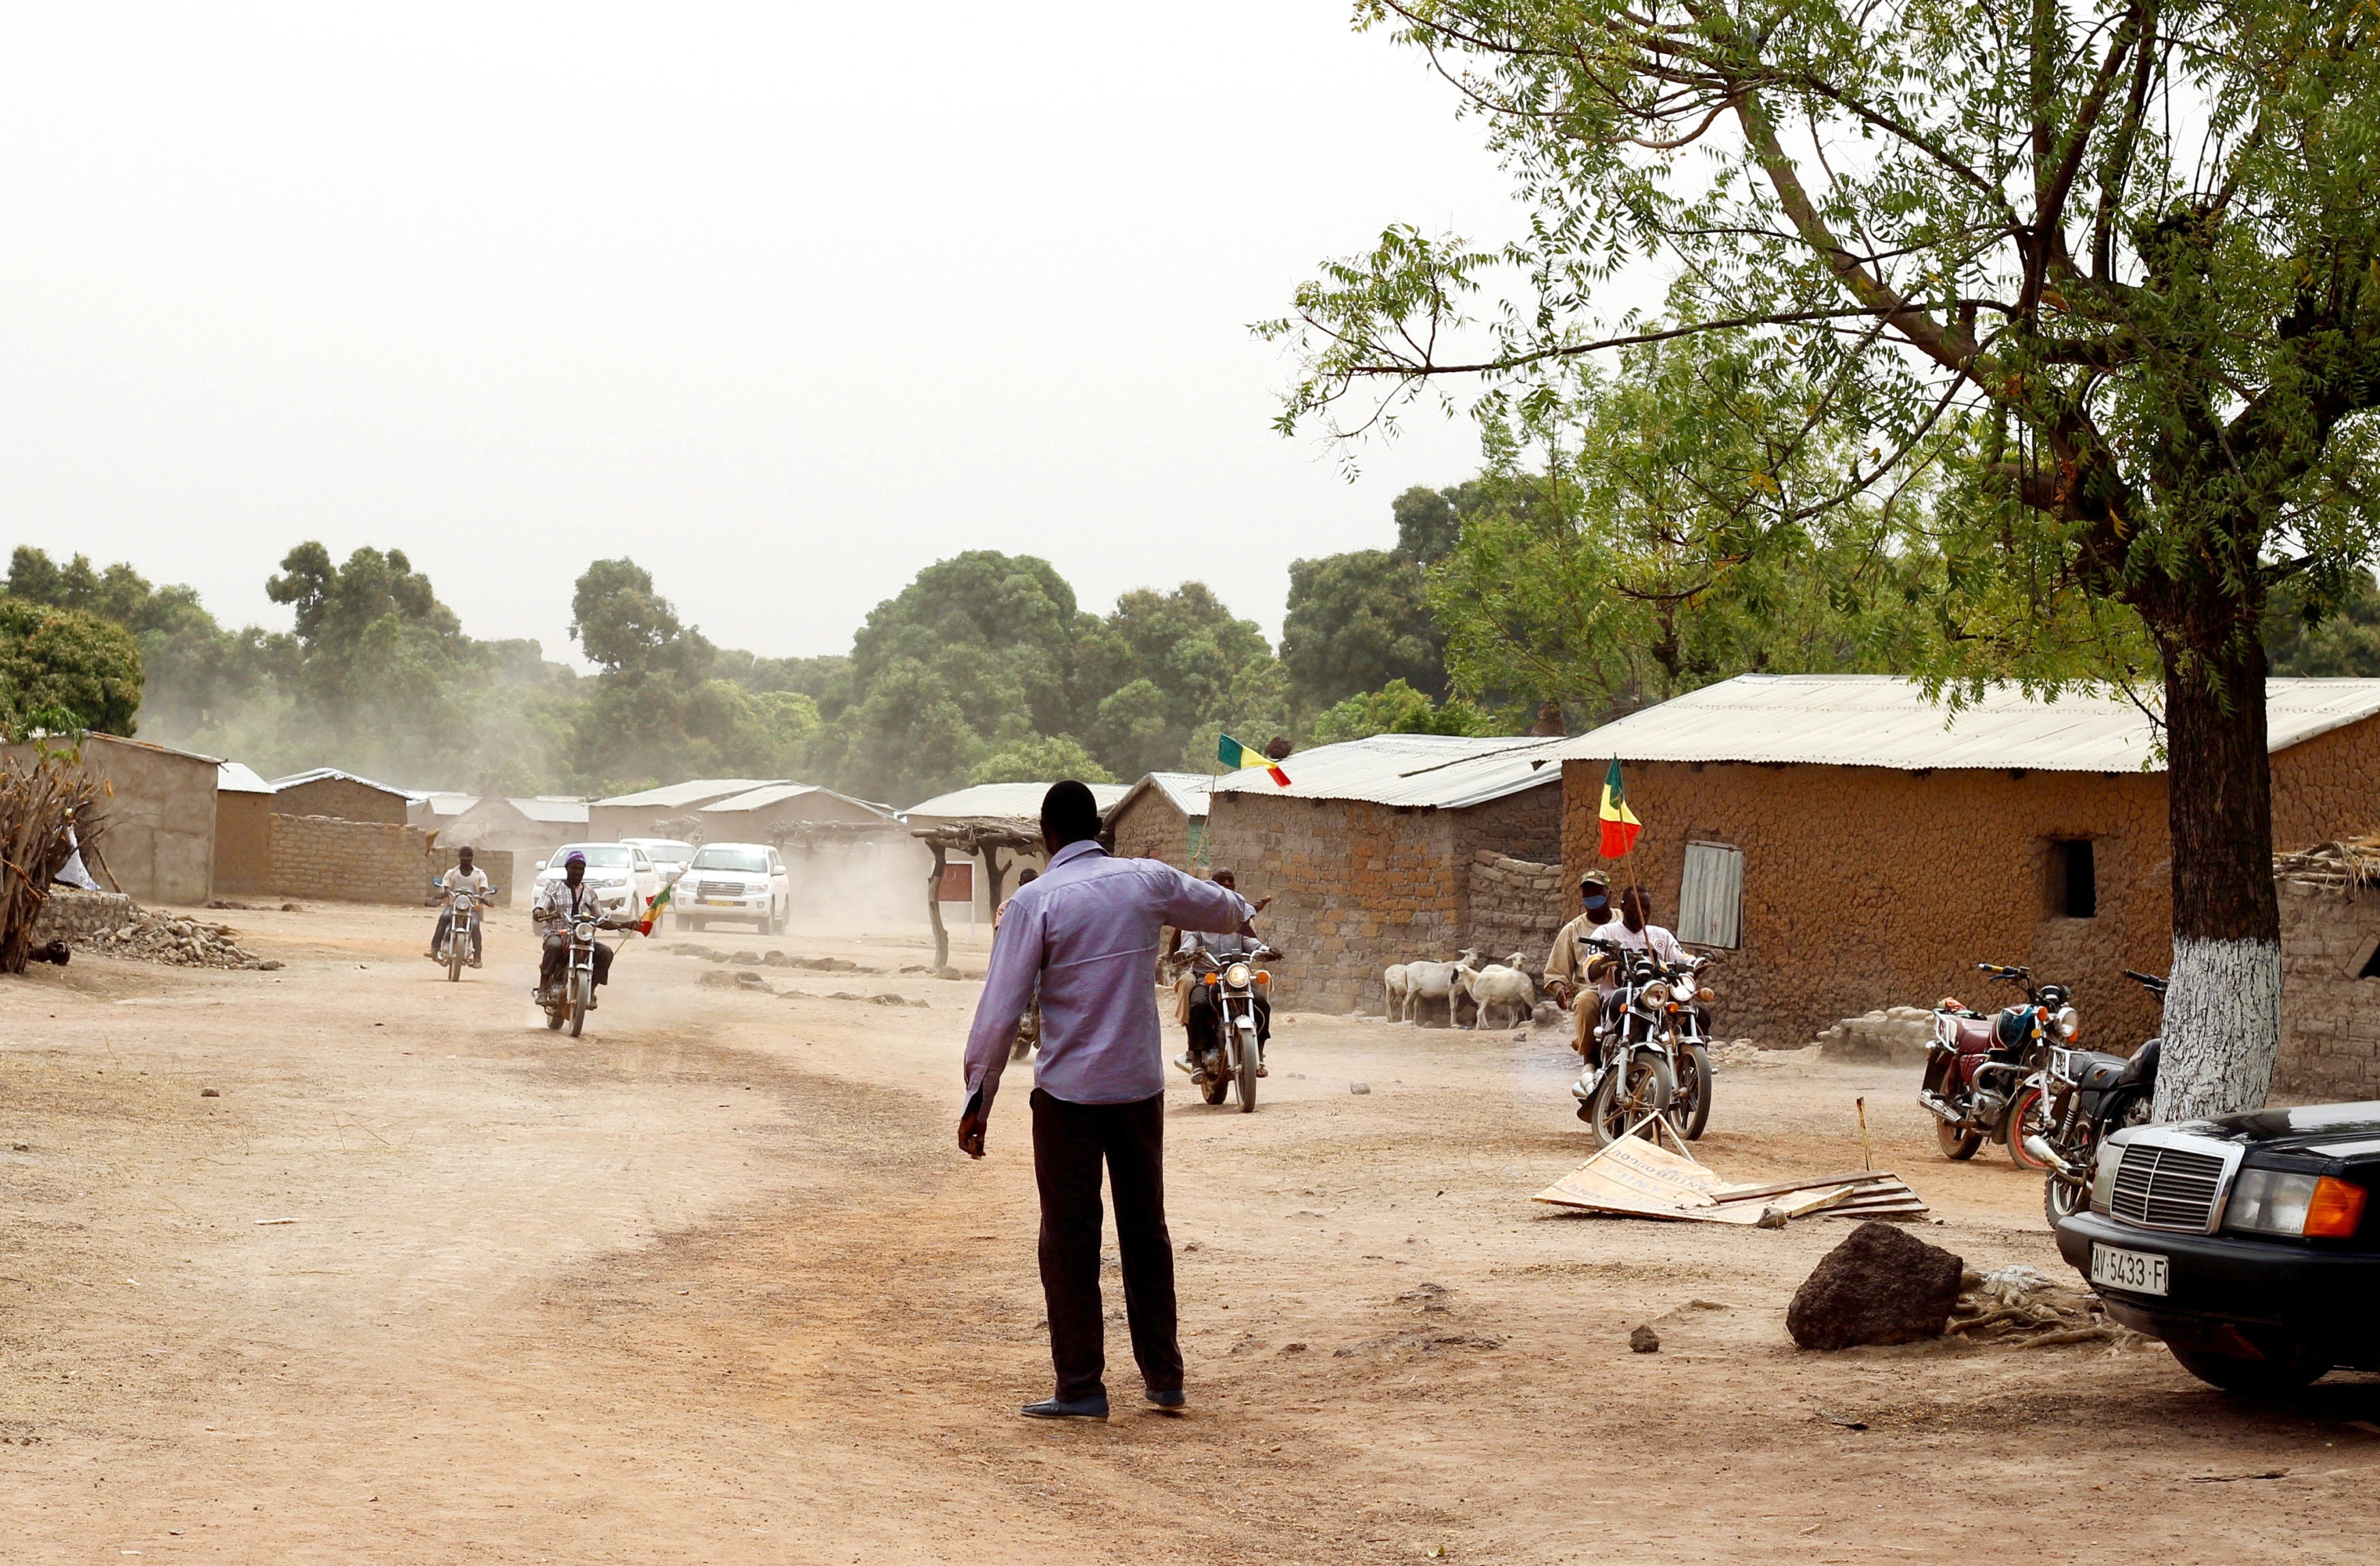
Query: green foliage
[
  {"x": 1397, "y": 708},
  {"x": 1036, "y": 759},
  {"x": 1360, "y": 620},
  {"x": 2324, "y": 631},
  {"x": 65, "y": 669}
]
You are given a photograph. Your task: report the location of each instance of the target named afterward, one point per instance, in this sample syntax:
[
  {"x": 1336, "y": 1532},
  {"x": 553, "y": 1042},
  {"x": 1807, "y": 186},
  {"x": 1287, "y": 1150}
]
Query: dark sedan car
[{"x": 2250, "y": 1245}]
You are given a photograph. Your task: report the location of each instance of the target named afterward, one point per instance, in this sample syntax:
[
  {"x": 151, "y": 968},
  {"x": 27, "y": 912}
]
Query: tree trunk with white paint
[{"x": 2223, "y": 1001}]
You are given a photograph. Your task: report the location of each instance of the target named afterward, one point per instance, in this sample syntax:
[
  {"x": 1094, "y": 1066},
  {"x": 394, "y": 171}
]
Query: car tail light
[{"x": 2334, "y": 1211}]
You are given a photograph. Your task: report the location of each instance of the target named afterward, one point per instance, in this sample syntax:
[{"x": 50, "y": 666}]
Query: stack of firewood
[{"x": 43, "y": 798}]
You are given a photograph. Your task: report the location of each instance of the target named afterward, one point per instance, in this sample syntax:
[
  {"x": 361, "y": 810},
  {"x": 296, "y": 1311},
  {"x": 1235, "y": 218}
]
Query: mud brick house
[
  {"x": 243, "y": 831},
  {"x": 159, "y": 842},
  {"x": 642, "y": 814},
  {"x": 754, "y": 815},
  {"x": 1845, "y": 843},
  {"x": 1372, "y": 854},
  {"x": 326, "y": 791},
  {"x": 1012, "y": 804},
  {"x": 525, "y": 829},
  {"x": 1161, "y": 816}
]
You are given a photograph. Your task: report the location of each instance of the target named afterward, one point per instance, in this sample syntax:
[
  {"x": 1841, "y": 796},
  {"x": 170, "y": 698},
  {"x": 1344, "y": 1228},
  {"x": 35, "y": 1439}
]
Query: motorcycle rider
[
  {"x": 461, "y": 878},
  {"x": 561, "y": 904},
  {"x": 1574, "y": 966},
  {"x": 1193, "y": 1005}
]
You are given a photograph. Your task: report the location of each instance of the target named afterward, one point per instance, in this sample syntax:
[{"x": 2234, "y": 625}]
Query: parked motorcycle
[
  {"x": 568, "y": 1001},
  {"x": 1650, "y": 1054},
  {"x": 1984, "y": 1075},
  {"x": 461, "y": 928},
  {"x": 1230, "y": 1054},
  {"x": 2092, "y": 1094}
]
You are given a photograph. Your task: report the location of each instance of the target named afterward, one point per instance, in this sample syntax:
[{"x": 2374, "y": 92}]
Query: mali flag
[
  {"x": 1232, "y": 754},
  {"x": 653, "y": 909},
  {"x": 1620, "y": 823}
]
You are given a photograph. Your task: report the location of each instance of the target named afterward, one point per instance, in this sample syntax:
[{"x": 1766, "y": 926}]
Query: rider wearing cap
[
  {"x": 559, "y": 904},
  {"x": 1572, "y": 965}
]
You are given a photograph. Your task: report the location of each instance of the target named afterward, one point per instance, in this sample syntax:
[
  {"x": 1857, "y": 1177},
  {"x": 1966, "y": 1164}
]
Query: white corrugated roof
[
  {"x": 1009, "y": 801},
  {"x": 238, "y": 777},
  {"x": 1882, "y": 720},
  {"x": 1443, "y": 772},
  {"x": 448, "y": 803},
  {"x": 696, "y": 790},
  {"x": 552, "y": 812},
  {"x": 776, "y": 793},
  {"x": 316, "y": 774},
  {"x": 1186, "y": 791}
]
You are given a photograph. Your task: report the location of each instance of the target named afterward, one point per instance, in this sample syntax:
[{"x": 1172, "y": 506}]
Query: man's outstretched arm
[{"x": 1007, "y": 991}]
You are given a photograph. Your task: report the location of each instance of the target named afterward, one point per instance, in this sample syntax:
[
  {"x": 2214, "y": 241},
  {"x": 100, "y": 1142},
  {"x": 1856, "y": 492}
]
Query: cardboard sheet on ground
[{"x": 1638, "y": 1179}]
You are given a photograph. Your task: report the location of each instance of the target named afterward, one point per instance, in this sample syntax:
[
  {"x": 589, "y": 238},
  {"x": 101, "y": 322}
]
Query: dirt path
[{"x": 710, "y": 1284}]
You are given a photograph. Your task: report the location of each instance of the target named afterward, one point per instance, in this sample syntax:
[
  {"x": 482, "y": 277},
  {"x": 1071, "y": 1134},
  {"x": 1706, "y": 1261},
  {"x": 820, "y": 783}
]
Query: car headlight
[
  {"x": 2102, "y": 1173},
  {"x": 2272, "y": 1201},
  {"x": 1237, "y": 975},
  {"x": 2069, "y": 1022}
]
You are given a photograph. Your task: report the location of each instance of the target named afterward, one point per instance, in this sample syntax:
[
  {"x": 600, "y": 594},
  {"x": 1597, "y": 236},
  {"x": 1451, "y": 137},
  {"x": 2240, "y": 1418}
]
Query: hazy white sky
[{"x": 784, "y": 301}]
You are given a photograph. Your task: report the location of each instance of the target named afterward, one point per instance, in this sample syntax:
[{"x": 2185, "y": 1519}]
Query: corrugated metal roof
[
  {"x": 776, "y": 793},
  {"x": 1882, "y": 720},
  {"x": 1008, "y": 801},
  {"x": 696, "y": 790},
  {"x": 1440, "y": 771},
  {"x": 448, "y": 803},
  {"x": 1185, "y": 791},
  {"x": 317, "y": 774},
  {"x": 552, "y": 812},
  {"x": 238, "y": 777}
]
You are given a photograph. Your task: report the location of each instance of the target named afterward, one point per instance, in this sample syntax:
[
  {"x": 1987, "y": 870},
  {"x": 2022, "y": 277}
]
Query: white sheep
[
  {"x": 1505, "y": 984},
  {"x": 1392, "y": 984},
  {"x": 1434, "y": 981}
]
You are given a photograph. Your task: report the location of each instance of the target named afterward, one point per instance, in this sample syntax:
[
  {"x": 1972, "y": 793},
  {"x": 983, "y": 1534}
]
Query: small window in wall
[
  {"x": 1710, "y": 895},
  {"x": 2077, "y": 868}
]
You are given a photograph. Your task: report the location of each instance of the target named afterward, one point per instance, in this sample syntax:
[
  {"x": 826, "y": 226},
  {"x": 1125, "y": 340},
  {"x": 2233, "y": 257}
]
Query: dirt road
[{"x": 428, "y": 1283}]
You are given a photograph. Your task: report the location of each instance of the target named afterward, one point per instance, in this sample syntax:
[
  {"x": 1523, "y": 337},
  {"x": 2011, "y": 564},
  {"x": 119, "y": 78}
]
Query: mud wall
[
  {"x": 159, "y": 842},
  {"x": 1152, "y": 827},
  {"x": 2330, "y": 1018},
  {"x": 1867, "y": 887},
  {"x": 344, "y": 799},
  {"x": 1516, "y": 905},
  {"x": 243, "y": 844}
]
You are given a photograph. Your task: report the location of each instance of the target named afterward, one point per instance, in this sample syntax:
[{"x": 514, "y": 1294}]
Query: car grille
[
  {"x": 2165, "y": 1188},
  {"x": 719, "y": 889}
]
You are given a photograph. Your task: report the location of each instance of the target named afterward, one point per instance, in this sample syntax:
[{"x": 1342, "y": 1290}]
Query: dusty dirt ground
[{"x": 428, "y": 1283}]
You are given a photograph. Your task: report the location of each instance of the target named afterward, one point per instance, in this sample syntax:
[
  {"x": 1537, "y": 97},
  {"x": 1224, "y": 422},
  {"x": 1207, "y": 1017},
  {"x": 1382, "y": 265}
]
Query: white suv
[
  {"x": 745, "y": 881},
  {"x": 618, "y": 871},
  {"x": 668, "y": 854}
]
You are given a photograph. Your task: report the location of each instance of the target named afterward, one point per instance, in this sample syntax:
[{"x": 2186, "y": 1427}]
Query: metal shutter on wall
[{"x": 1710, "y": 895}]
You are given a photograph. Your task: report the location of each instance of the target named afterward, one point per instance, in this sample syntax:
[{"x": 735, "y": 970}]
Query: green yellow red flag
[
  {"x": 1620, "y": 823},
  {"x": 653, "y": 909},
  {"x": 1231, "y": 753}
]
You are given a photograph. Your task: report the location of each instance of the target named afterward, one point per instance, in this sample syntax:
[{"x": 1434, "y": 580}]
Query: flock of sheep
[{"x": 1505, "y": 986}]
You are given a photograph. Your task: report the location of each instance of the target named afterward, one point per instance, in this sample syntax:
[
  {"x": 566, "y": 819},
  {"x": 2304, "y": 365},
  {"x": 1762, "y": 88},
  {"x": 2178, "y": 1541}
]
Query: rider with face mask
[
  {"x": 561, "y": 904},
  {"x": 1194, "y": 1003},
  {"x": 1573, "y": 965}
]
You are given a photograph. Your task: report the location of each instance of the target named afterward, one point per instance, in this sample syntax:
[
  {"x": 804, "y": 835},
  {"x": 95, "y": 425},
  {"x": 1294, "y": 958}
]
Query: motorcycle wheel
[
  {"x": 1248, "y": 1075},
  {"x": 553, "y": 1020},
  {"x": 1690, "y": 1107},
  {"x": 578, "y": 1011},
  {"x": 1956, "y": 1144},
  {"x": 1627, "y": 1095},
  {"x": 1214, "y": 1088},
  {"x": 455, "y": 957},
  {"x": 2028, "y": 1116},
  {"x": 2062, "y": 1198}
]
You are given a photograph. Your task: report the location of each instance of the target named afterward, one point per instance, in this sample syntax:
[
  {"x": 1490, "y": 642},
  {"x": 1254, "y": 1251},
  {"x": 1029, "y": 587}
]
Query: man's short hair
[{"x": 1069, "y": 814}]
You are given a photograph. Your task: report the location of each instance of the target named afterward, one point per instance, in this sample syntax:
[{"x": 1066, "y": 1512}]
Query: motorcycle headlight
[
  {"x": 2271, "y": 1201},
  {"x": 584, "y": 929},
  {"x": 1656, "y": 993},
  {"x": 2068, "y": 1021},
  {"x": 1683, "y": 990},
  {"x": 1237, "y": 975}
]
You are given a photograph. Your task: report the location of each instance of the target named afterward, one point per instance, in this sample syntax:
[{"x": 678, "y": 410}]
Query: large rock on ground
[{"x": 1882, "y": 1285}]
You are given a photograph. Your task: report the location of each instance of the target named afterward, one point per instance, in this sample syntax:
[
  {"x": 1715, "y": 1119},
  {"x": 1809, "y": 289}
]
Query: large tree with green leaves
[
  {"x": 2128, "y": 246},
  {"x": 63, "y": 668}
]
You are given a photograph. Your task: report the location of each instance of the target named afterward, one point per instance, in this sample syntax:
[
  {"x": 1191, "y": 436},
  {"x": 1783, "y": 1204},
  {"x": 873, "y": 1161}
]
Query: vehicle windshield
[
  {"x": 752, "y": 861},
  {"x": 600, "y": 856},
  {"x": 669, "y": 853}
]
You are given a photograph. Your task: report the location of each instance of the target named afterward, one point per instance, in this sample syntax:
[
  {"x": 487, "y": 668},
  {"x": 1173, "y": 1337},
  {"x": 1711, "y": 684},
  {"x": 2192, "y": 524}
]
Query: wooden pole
[{"x": 934, "y": 910}]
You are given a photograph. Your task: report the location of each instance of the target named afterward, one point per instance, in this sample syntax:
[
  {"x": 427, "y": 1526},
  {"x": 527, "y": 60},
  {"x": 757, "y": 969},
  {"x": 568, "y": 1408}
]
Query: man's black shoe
[
  {"x": 1060, "y": 1408},
  {"x": 1175, "y": 1401}
]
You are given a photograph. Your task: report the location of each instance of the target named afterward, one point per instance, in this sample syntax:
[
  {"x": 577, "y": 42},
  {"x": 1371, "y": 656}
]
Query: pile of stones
[{"x": 153, "y": 937}]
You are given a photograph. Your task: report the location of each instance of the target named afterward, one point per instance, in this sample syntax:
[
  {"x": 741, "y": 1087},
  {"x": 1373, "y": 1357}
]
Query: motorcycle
[
  {"x": 1651, "y": 1056},
  {"x": 2092, "y": 1094},
  {"x": 462, "y": 924},
  {"x": 1984, "y": 1075},
  {"x": 1230, "y": 1055},
  {"x": 569, "y": 1000}
]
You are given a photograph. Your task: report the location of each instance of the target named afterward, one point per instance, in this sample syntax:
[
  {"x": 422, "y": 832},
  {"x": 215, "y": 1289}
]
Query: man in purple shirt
[{"x": 1088, "y": 932}]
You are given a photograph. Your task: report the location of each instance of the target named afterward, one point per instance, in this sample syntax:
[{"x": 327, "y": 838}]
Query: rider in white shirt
[{"x": 464, "y": 877}]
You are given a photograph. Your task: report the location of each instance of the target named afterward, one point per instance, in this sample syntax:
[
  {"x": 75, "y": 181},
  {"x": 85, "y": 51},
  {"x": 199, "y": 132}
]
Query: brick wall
[
  {"x": 1152, "y": 828},
  {"x": 1516, "y": 905},
  {"x": 2330, "y": 1019},
  {"x": 334, "y": 860},
  {"x": 344, "y": 799}
]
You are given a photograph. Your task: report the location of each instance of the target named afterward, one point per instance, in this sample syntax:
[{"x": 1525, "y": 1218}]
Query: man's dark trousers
[{"x": 1070, "y": 1143}]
